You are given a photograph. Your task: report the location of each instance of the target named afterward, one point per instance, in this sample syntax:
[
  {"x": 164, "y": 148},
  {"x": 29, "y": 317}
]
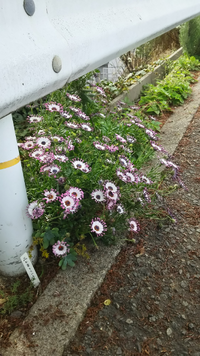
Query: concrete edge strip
[{"x": 134, "y": 90}]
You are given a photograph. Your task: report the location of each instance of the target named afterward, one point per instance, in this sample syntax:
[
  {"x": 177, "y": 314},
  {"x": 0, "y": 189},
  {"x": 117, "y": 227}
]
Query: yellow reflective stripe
[{"x": 10, "y": 163}]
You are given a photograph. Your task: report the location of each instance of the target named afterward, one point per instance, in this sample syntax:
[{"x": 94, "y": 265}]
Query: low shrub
[
  {"x": 82, "y": 165},
  {"x": 172, "y": 90},
  {"x": 190, "y": 37}
]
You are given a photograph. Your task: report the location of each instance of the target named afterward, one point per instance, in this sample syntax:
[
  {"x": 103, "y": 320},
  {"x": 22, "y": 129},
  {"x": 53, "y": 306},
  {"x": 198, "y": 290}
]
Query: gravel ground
[{"x": 154, "y": 287}]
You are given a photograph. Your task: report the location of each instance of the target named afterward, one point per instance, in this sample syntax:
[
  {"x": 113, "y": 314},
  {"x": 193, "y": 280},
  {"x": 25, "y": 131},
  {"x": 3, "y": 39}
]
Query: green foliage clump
[
  {"x": 173, "y": 89},
  {"x": 190, "y": 37},
  {"x": 14, "y": 298}
]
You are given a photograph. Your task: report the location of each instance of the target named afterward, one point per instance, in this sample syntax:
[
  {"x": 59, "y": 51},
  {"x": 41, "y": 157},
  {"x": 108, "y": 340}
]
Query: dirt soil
[
  {"x": 154, "y": 287},
  {"x": 46, "y": 270}
]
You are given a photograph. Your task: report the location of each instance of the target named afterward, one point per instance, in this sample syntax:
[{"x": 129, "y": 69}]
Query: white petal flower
[
  {"x": 120, "y": 209},
  {"x": 134, "y": 225},
  {"x": 50, "y": 195},
  {"x": 86, "y": 127},
  {"x": 43, "y": 142},
  {"x": 76, "y": 193},
  {"x": 54, "y": 170},
  {"x": 33, "y": 119},
  {"x": 112, "y": 195},
  {"x": 98, "y": 226},
  {"x": 78, "y": 164},
  {"x": 131, "y": 177},
  {"x": 37, "y": 153},
  {"x": 60, "y": 249},
  {"x": 98, "y": 196},
  {"x": 71, "y": 125},
  {"x": 110, "y": 186},
  {"x": 61, "y": 158},
  {"x": 28, "y": 145}
]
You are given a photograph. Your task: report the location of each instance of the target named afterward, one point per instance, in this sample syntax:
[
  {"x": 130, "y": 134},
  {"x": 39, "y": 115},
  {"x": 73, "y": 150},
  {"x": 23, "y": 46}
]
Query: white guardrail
[{"x": 43, "y": 45}]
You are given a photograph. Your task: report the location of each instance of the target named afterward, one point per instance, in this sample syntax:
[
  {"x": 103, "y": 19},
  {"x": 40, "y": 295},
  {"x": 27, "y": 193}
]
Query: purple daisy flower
[
  {"x": 99, "y": 146},
  {"x": 86, "y": 127},
  {"x": 57, "y": 138},
  {"x": 65, "y": 114},
  {"x": 114, "y": 196},
  {"x": 61, "y": 180},
  {"x": 135, "y": 107},
  {"x": 130, "y": 139},
  {"x": 68, "y": 142},
  {"x": 120, "y": 209},
  {"x": 158, "y": 148},
  {"x": 82, "y": 115},
  {"x": 98, "y": 226},
  {"x": 120, "y": 138},
  {"x": 45, "y": 168},
  {"x": 61, "y": 249},
  {"x": 86, "y": 169},
  {"x": 73, "y": 97},
  {"x": 141, "y": 201},
  {"x": 35, "y": 210},
  {"x": 146, "y": 195},
  {"x": 98, "y": 195},
  {"x": 76, "y": 110},
  {"x": 112, "y": 148},
  {"x": 121, "y": 175},
  {"x": 76, "y": 193},
  {"x": 139, "y": 125},
  {"x": 108, "y": 185},
  {"x": 152, "y": 118},
  {"x": 43, "y": 142},
  {"x": 54, "y": 169},
  {"x": 52, "y": 106},
  {"x": 47, "y": 157},
  {"x": 41, "y": 132},
  {"x": 61, "y": 158},
  {"x": 151, "y": 134},
  {"x": 134, "y": 225},
  {"x": 80, "y": 164},
  {"x": 124, "y": 161},
  {"x": 137, "y": 119},
  {"x": 126, "y": 149},
  {"x": 69, "y": 203},
  {"x": 37, "y": 153},
  {"x": 146, "y": 179},
  {"x": 100, "y": 91},
  {"x": 34, "y": 118},
  {"x": 28, "y": 145},
  {"x": 105, "y": 139},
  {"x": 131, "y": 178},
  {"x": 169, "y": 164},
  {"x": 72, "y": 125},
  {"x": 110, "y": 205},
  {"x": 50, "y": 195}
]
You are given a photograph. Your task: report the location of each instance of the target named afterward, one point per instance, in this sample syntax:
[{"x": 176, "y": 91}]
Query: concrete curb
[
  {"x": 134, "y": 91},
  {"x": 55, "y": 317}
]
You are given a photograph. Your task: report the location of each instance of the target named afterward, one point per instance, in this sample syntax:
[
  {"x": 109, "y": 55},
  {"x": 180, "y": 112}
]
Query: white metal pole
[{"x": 15, "y": 225}]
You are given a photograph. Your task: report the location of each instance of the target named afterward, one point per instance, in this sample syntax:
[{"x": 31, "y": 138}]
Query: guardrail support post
[{"x": 15, "y": 225}]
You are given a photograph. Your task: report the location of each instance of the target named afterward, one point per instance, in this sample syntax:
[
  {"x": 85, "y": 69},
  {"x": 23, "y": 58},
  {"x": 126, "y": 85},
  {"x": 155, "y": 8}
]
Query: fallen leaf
[{"x": 107, "y": 302}]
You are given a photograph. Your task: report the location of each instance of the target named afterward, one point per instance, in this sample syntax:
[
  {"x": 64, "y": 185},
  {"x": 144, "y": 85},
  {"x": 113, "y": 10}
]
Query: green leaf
[
  {"x": 45, "y": 244},
  {"x": 71, "y": 263}
]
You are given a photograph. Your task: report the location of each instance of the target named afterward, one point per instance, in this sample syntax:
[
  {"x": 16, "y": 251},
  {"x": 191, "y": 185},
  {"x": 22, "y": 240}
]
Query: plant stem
[{"x": 95, "y": 244}]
